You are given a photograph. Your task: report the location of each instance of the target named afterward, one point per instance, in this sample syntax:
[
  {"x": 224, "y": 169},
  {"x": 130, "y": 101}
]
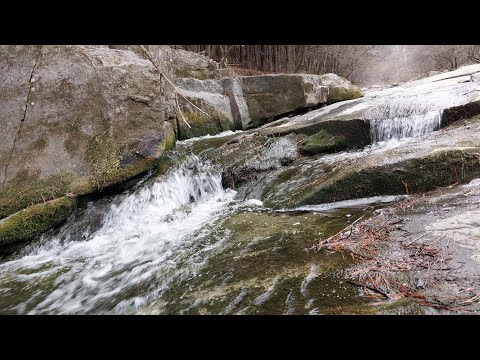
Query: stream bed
[{"x": 180, "y": 243}]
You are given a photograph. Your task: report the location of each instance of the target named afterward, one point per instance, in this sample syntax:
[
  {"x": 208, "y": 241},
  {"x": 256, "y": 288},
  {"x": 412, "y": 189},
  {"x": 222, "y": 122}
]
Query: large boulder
[
  {"x": 178, "y": 63},
  {"x": 256, "y": 100},
  {"x": 76, "y": 119},
  {"x": 269, "y": 96},
  {"x": 253, "y": 100},
  {"x": 327, "y": 128},
  {"x": 243, "y": 103},
  {"x": 340, "y": 89},
  {"x": 187, "y": 64},
  {"x": 232, "y": 88},
  {"x": 203, "y": 108}
]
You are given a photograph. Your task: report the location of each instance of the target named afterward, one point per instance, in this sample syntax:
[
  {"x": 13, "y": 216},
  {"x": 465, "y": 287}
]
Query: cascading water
[
  {"x": 135, "y": 252},
  {"x": 181, "y": 244},
  {"x": 402, "y": 127}
]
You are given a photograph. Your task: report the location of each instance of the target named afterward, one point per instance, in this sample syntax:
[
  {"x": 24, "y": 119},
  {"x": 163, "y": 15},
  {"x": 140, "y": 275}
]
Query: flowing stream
[{"x": 180, "y": 243}]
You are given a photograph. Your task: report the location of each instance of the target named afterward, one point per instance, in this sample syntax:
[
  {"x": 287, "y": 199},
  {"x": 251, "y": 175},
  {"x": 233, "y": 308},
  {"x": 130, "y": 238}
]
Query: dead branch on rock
[
  {"x": 390, "y": 277},
  {"x": 147, "y": 54},
  {"x": 181, "y": 112},
  {"x": 369, "y": 288}
]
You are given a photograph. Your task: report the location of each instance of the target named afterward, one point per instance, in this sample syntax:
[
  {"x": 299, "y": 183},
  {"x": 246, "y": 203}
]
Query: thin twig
[
  {"x": 360, "y": 218},
  {"x": 446, "y": 187},
  {"x": 438, "y": 238},
  {"x": 472, "y": 300},
  {"x": 181, "y": 112},
  {"x": 418, "y": 238},
  {"x": 171, "y": 83},
  {"x": 369, "y": 288},
  {"x": 331, "y": 237}
]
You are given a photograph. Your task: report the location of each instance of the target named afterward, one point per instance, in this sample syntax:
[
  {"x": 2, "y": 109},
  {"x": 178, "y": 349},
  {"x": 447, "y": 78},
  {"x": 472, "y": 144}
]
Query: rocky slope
[
  {"x": 76, "y": 120},
  {"x": 392, "y": 134}
]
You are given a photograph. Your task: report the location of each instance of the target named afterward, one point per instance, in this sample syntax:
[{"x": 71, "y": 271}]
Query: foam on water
[
  {"x": 402, "y": 127},
  {"x": 139, "y": 243}
]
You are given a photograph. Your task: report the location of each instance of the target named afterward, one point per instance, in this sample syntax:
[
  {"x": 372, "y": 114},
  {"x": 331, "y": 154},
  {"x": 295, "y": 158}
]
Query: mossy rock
[
  {"x": 103, "y": 157},
  {"x": 327, "y": 136},
  {"x": 27, "y": 190},
  {"x": 200, "y": 74},
  {"x": 170, "y": 141},
  {"x": 200, "y": 123},
  {"x": 405, "y": 177},
  {"x": 34, "y": 220},
  {"x": 270, "y": 96},
  {"x": 339, "y": 93},
  {"x": 323, "y": 142},
  {"x": 340, "y": 89},
  {"x": 460, "y": 112}
]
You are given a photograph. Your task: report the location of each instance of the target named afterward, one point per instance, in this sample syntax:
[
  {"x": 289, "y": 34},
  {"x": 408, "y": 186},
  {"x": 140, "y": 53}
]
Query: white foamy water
[
  {"x": 402, "y": 127},
  {"x": 350, "y": 203},
  {"x": 141, "y": 244},
  {"x": 375, "y": 148},
  {"x": 208, "y": 136},
  {"x": 277, "y": 152},
  {"x": 409, "y": 110}
]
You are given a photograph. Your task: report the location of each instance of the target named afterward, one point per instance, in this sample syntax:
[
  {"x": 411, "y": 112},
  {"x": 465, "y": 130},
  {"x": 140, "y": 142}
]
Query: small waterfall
[
  {"x": 136, "y": 251},
  {"x": 398, "y": 127}
]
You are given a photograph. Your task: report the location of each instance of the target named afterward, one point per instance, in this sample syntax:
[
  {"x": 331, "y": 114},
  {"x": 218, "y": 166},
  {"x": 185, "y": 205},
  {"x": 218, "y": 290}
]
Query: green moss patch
[
  {"x": 323, "y": 142},
  {"x": 40, "y": 144},
  {"x": 460, "y": 112},
  {"x": 409, "y": 176},
  {"x": 200, "y": 74},
  {"x": 202, "y": 124},
  {"x": 103, "y": 156},
  {"x": 26, "y": 190},
  {"x": 338, "y": 93},
  {"x": 169, "y": 141},
  {"x": 34, "y": 220},
  {"x": 75, "y": 138}
]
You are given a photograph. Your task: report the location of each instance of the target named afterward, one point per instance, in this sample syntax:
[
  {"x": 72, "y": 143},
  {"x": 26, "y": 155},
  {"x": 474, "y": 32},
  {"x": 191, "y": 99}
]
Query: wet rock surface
[
  {"x": 240, "y": 222},
  {"x": 245, "y": 102},
  {"x": 76, "y": 119},
  {"x": 427, "y": 251}
]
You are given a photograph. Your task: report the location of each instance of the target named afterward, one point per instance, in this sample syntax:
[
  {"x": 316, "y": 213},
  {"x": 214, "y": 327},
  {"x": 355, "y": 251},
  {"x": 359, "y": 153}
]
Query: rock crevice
[{"x": 30, "y": 85}]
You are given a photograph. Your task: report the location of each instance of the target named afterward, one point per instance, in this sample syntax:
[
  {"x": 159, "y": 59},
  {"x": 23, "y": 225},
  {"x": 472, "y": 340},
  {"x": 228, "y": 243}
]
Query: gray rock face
[
  {"x": 215, "y": 115},
  {"x": 185, "y": 64},
  {"x": 251, "y": 100},
  {"x": 315, "y": 90},
  {"x": 233, "y": 89},
  {"x": 15, "y": 74},
  {"x": 340, "y": 89},
  {"x": 475, "y": 77},
  {"x": 268, "y": 96},
  {"x": 75, "y": 119},
  {"x": 178, "y": 63}
]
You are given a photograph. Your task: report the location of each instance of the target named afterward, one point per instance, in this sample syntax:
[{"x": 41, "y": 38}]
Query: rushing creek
[{"x": 181, "y": 243}]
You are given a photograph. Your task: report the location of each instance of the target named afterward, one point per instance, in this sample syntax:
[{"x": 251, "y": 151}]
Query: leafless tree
[{"x": 362, "y": 64}]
